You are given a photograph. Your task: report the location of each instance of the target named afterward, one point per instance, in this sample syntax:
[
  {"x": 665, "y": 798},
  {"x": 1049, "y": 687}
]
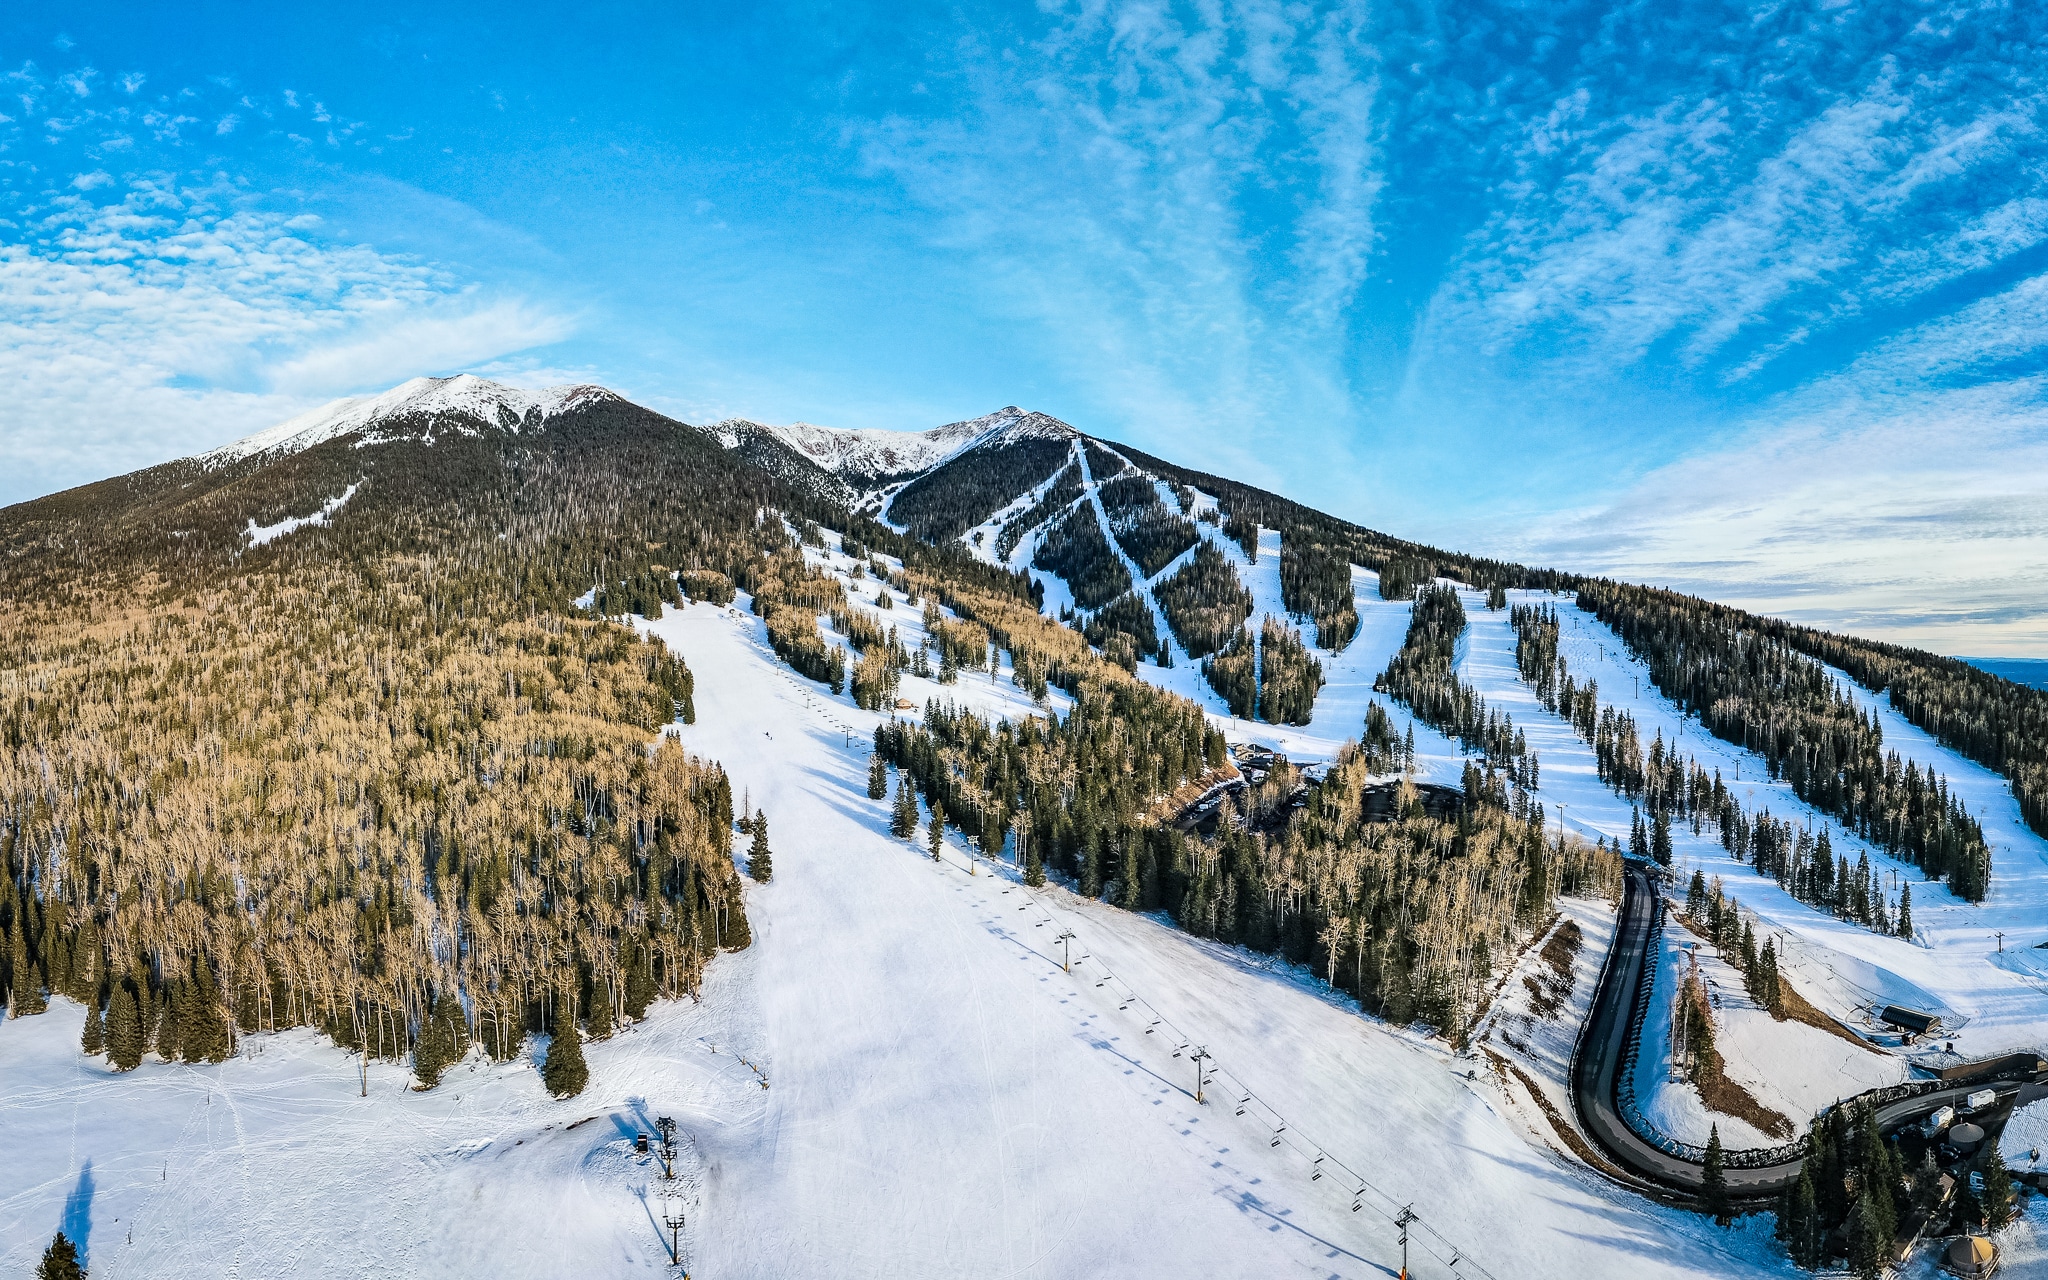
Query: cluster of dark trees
[
  {"x": 1412, "y": 916},
  {"x": 643, "y": 593},
  {"x": 1858, "y": 1191},
  {"x": 1401, "y": 575},
  {"x": 1384, "y": 750},
  {"x": 1129, "y": 619},
  {"x": 1315, "y": 583},
  {"x": 1058, "y": 496},
  {"x": 1150, "y": 534},
  {"x": 1289, "y": 675},
  {"x": 1274, "y": 678},
  {"x": 1204, "y": 602},
  {"x": 1077, "y": 792},
  {"x": 1103, "y": 465},
  {"x": 1423, "y": 674},
  {"x": 1718, "y": 918},
  {"x": 1076, "y": 550},
  {"x": 1754, "y": 689},
  {"x": 949, "y": 500}
]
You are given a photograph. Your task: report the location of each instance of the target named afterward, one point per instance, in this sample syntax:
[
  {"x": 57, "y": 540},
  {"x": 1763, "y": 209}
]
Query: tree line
[
  {"x": 1758, "y": 692},
  {"x": 1672, "y": 786}
]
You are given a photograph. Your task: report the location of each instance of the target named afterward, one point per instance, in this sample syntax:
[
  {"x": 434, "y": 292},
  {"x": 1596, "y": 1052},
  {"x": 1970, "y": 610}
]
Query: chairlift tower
[
  {"x": 1406, "y": 1216},
  {"x": 672, "y": 1218},
  {"x": 1201, "y": 1058},
  {"x": 667, "y": 1128}
]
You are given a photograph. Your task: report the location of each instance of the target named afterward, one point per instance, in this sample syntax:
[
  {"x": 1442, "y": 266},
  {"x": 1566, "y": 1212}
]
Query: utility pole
[
  {"x": 2000, "y": 935},
  {"x": 1406, "y": 1216},
  {"x": 1201, "y": 1056},
  {"x": 1065, "y": 939}
]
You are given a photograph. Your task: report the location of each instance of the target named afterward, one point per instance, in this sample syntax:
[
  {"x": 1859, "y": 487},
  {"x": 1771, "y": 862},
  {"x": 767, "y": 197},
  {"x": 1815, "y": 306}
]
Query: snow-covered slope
[
  {"x": 465, "y": 397},
  {"x": 872, "y": 453}
]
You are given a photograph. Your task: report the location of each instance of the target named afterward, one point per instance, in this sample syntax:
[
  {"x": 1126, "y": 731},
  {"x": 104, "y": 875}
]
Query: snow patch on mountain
[
  {"x": 259, "y": 535},
  {"x": 464, "y": 396},
  {"x": 873, "y": 452}
]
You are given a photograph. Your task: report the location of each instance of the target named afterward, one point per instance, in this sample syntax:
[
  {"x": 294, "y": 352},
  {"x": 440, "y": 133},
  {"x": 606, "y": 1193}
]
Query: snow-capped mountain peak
[
  {"x": 463, "y": 397},
  {"x": 871, "y": 452}
]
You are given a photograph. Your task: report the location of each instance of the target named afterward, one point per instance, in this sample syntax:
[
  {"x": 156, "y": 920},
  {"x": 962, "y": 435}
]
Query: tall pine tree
[
  {"x": 878, "y": 777},
  {"x": 903, "y": 818},
  {"x": 60, "y": 1261},
  {"x": 760, "y": 863},
  {"x": 565, "y": 1073},
  {"x": 125, "y": 1039},
  {"x": 1714, "y": 1182}
]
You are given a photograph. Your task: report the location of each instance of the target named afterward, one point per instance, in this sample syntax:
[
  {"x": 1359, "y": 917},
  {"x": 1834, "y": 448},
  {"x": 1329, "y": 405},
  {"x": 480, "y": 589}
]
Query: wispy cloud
[
  {"x": 1180, "y": 202},
  {"x": 172, "y": 319}
]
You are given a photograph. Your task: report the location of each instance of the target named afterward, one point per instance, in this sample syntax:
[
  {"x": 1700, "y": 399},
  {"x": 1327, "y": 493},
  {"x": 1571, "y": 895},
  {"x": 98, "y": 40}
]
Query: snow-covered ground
[
  {"x": 1789, "y": 1067},
  {"x": 944, "y": 1099},
  {"x": 1531, "y": 1032}
]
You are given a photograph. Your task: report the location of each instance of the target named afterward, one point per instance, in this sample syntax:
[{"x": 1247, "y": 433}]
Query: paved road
[
  {"x": 1597, "y": 1062},
  {"x": 1603, "y": 1041}
]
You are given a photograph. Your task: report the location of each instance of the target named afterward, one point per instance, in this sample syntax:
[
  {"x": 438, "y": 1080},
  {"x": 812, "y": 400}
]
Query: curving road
[{"x": 1603, "y": 1042}]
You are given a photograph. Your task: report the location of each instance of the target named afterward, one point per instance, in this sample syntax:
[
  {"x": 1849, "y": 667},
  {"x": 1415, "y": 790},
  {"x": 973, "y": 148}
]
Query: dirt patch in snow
[
  {"x": 1548, "y": 991},
  {"x": 1796, "y": 1007},
  {"x": 1731, "y": 1099}
]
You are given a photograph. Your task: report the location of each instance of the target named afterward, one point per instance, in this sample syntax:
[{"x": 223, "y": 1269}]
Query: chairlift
[
  {"x": 1317, "y": 1176},
  {"x": 1152, "y": 1026},
  {"x": 1276, "y": 1135},
  {"x": 1243, "y": 1102}
]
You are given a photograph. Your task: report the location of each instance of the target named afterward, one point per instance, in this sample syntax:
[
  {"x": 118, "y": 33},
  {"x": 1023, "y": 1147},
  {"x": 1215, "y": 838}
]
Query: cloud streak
[{"x": 172, "y": 319}]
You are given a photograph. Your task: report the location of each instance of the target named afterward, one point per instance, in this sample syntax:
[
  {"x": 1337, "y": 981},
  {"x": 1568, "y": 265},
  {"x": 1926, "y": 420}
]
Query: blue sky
[{"x": 1745, "y": 299}]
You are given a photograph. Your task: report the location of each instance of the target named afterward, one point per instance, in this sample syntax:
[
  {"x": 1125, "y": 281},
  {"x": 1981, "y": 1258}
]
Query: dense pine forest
[
  {"x": 1412, "y": 916},
  {"x": 381, "y": 776},
  {"x": 1315, "y": 583},
  {"x": 1150, "y": 534},
  {"x": 1076, "y": 550},
  {"x": 1203, "y": 602},
  {"x": 945, "y": 503},
  {"x": 1058, "y": 496}
]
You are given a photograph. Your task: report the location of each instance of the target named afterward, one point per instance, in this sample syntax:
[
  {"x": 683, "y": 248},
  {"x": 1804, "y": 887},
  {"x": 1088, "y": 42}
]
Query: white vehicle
[
  {"x": 1979, "y": 1100},
  {"x": 1941, "y": 1119}
]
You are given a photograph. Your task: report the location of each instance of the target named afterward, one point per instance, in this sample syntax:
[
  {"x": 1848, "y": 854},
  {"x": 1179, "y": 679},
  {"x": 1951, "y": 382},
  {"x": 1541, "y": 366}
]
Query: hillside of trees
[
  {"x": 946, "y": 502},
  {"x": 1058, "y": 496},
  {"x": 1754, "y": 689},
  {"x": 248, "y": 787},
  {"x": 1150, "y": 534},
  {"x": 1076, "y": 550},
  {"x": 1204, "y": 602},
  {"x": 1315, "y": 583},
  {"x": 1414, "y": 917}
]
